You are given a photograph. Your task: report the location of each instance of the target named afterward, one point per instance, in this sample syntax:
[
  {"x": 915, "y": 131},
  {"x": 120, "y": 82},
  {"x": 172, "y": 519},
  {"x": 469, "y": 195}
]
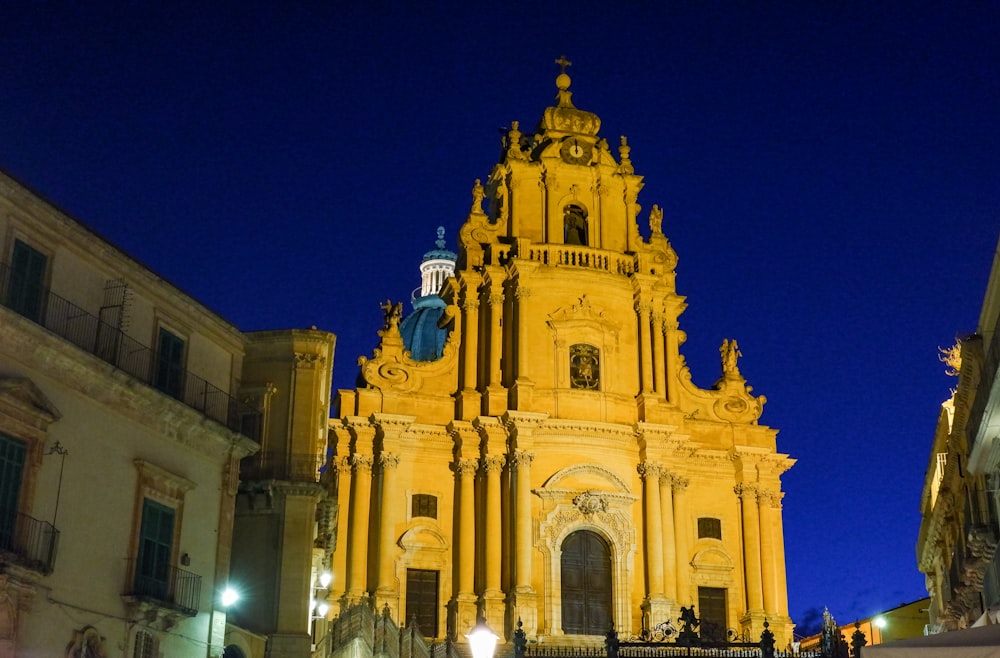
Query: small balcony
[
  {"x": 281, "y": 466},
  {"x": 108, "y": 343},
  {"x": 176, "y": 589},
  {"x": 28, "y": 542}
]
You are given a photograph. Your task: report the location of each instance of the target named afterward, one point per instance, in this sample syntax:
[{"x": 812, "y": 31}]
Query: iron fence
[
  {"x": 30, "y": 542},
  {"x": 175, "y": 588},
  {"x": 110, "y": 344}
]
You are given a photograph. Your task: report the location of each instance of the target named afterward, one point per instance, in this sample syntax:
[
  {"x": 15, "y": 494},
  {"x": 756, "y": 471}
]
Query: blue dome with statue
[{"x": 422, "y": 336}]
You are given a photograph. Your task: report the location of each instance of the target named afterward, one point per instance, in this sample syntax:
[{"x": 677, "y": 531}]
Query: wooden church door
[{"x": 586, "y": 584}]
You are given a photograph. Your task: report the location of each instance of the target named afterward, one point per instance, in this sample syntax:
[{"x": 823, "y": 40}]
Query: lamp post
[
  {"x": 482, "y": 640},
  {"x": 57, "y": 449}
]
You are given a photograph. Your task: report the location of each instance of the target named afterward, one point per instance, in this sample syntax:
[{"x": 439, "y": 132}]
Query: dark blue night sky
[{"x": 830, "y": 173}]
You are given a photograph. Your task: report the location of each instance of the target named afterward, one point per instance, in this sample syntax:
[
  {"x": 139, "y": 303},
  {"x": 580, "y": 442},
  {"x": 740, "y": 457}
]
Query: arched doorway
[{"x": 586, "y": 584}]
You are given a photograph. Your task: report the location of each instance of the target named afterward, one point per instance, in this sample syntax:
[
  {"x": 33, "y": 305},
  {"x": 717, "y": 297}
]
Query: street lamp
[
  {"x": 229, "y": 597},
  {"x": 482, "y": 640}
]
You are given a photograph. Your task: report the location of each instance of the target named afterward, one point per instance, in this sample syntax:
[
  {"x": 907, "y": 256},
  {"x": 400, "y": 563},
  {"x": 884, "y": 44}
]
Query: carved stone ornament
[
  {"x": 307, "y": 360},
  {"x": 86, "y": 643},
  {"x": 590, "y": 503}
]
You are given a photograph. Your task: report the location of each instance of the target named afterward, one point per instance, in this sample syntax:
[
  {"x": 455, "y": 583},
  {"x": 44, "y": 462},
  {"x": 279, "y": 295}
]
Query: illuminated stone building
[
  {"x": 553, "y": 464},
  {"x": 120, "y": 439},
  {"x": 956, "y": 547}
]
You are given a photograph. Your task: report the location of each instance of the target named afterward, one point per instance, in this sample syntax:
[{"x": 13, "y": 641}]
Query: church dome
[{"x": 422, "y": 336}]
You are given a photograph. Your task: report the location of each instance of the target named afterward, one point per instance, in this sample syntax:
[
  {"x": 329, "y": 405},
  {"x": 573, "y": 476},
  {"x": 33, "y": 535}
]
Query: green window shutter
[
  {"x": 26, "y": 290},
  {"x": 12, "y": 454},
  {"x": 169, "y": 376},
  {"x": 156, "y": 539}
]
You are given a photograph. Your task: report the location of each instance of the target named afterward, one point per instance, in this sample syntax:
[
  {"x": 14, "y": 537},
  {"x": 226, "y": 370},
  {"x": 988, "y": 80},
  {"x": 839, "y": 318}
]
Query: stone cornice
[{"x": 118, "y": 392}]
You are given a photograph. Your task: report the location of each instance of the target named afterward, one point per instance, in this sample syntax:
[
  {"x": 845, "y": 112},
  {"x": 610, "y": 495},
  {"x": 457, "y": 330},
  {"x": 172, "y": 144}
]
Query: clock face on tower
[{"x": 576, "y": 151}]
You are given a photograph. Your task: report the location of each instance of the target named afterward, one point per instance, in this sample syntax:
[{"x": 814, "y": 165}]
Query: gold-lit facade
[
  {"x": 555, "y": 466},
  {"x": 959, "y": 531}
]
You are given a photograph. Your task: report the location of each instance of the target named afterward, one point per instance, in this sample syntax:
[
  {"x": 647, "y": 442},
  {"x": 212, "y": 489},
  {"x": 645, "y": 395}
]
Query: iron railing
[
  {"x": 282, "y": 466},
  {"x": 30, "y": 542},
  {"x": 107, "y": 342},
  {"x": 176, "y": 588}
]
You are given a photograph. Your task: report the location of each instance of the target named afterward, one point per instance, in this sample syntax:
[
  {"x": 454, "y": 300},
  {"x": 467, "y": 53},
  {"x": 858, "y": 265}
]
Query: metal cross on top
[{"x": 563, "y": 63}]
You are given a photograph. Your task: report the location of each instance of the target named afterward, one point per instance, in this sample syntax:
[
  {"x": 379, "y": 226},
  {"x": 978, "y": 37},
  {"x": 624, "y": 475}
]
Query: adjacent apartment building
[
  {"x": 959, "y": 532},
  {"x": 121, "y": 435}
]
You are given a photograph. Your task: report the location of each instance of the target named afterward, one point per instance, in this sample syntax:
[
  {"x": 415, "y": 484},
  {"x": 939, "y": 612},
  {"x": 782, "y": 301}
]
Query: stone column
[
  {"x": 496, "y": 395},
  {"x": 339, "y": 585},
  {"x": 357, "y": 559},
  {"x": 465, "y": 473},
  {"x": 769, "y": 503},
  {"x": 523, "y": 386},
  {"x": 659, "y": 365},
  {"x": 386, "y": 593},
  {"x": 469, "y": 397},
  {"x": 669, "y": 539},
  {"x": 492, "y": 595},
  {"x": 522, "y": 514},
  {"x": 496, "y": 336},
  {"x": 673, "y": 342},
  {"x": 470, "y": 335},
  {"x": 522, "y": 600},
  {"x": 751, "y": 547},
  {"x": 684, "y": 594},
  {"x": 643, "y": 309},
  {"x": 650, "y": 473}
]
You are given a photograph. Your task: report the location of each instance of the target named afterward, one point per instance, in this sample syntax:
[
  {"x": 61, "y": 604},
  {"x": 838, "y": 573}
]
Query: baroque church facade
[{"x": 527, "y": 446}]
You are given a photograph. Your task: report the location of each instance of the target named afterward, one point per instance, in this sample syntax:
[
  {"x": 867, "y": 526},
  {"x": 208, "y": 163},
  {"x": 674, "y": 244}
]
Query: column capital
[
  {"x": 650, "y": 470},
  {"x": 388, "y": 460},
  {"x": 361, "y": 463},
  {"x": 521, "y": 458},
  {"x": 746, "y": 491},
  {"x": 466, "y": 467},
  {"x": 770, "y": 497},
  {"x": 492, "y": 463},
  {"x": 678, "y": 482}
]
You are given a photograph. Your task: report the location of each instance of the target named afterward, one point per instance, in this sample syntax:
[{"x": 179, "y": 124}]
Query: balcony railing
[
  {"x": 112, "y": 345},
  {"x": 177, "y": 589},
  {"x": 280, "y": 466},
  {"x": 29, "y": 542}
]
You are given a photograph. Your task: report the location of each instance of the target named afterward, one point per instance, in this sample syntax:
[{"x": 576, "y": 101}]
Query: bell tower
[{"x": 559, "y": 249}]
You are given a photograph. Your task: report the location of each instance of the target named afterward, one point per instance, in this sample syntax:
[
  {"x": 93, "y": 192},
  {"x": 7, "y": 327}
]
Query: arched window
[{"x": 574, "y": 225}]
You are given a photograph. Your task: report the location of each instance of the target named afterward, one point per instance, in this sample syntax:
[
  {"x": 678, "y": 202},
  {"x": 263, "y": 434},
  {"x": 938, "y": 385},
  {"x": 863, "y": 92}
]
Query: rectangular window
[
  {"x": 712, "y": 610},
  {"x": 422, "y": 600},
  {"x": 709, "y": 528},
  {"x": 169, "y": 375},
  {"x": 424, "y": 505},
  {"x": 12, "y": 454},
  {"x": 156, "y": 539},
  {"x": 26, "y": 288}
]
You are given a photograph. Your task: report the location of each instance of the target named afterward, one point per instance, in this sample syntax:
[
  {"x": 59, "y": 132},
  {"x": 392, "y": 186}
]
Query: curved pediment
[
  {"x": 584, "y": 477},
  {"x": 423, "y": 537}
]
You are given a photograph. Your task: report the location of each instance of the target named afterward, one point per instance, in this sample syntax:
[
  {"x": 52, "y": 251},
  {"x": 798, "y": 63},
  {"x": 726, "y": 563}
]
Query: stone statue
[
  {"x": 513, "y": 145},
  {"x": 477, "y": 197},
  {"x": 730, "y": 352},
  {"x": 656, "y": 219},
  {"x": 393, "y": 313}
]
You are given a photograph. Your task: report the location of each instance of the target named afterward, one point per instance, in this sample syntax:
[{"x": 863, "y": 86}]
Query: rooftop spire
[{"x": 562, "y": 83}]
